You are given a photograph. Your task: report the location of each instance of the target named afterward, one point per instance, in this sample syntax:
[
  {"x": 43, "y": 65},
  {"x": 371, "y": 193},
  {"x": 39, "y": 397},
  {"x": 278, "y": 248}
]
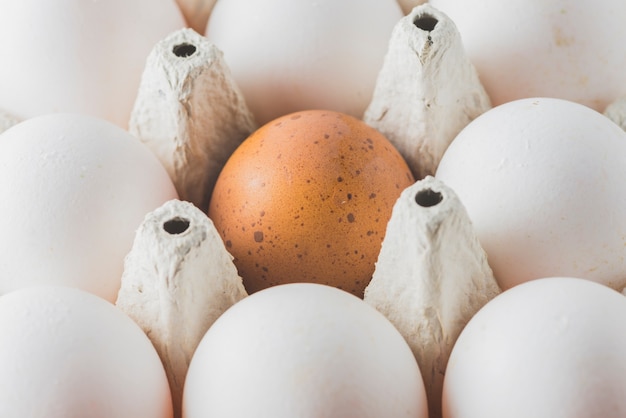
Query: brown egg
[{"x": 307, "y": 198}]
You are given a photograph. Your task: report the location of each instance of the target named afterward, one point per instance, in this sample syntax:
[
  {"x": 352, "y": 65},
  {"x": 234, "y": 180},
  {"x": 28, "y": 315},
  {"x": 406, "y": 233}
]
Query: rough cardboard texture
[
  {"x": 190, "y": 113},
  {"x": 178, "y": 279},
  {"x": 427, "y": 89},
  {"x": 431, "y": 277}
]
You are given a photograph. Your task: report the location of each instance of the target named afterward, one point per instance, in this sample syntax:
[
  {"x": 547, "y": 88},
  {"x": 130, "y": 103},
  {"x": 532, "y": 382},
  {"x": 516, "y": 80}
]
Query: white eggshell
[
  {"x": 74, "y": 190},
  {"x": 78, "y": 56},
  {"x": 572, "y": 50},
  {"x": 289, "y": 55},
  {"x": 551, "y": 348},
  {"x": 543, "y": 183},
  {"x": 65, "y": 353},
  {"x": 303, "y": 350}
]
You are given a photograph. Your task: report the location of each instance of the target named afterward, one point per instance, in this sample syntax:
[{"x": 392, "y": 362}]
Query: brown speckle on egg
[{"x": 327, "y": 202}]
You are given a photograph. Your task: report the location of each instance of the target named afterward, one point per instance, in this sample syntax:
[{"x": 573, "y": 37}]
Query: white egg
[
  {"x": 78, "y": 56},
  {"x": 543, "y": 183},
  {"x": 572, "y": 50},
  {"x": 303, "y": 350},
  {"x": 74, "y": 190},
  {"x": 289, "y": 55},
  {"x": 65, "y": 353},
  {"x": 551, "y": 348}
]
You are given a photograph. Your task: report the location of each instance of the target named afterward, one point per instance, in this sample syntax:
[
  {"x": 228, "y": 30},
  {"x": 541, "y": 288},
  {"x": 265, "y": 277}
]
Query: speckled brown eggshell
[{"x": 307, "y": 198}]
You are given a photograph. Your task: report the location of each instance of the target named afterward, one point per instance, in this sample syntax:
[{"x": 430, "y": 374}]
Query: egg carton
[
  {"x": 188, "y": 107},
  {"x": 190, "y": 112},
  {"x": 426, "y": 93}
]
